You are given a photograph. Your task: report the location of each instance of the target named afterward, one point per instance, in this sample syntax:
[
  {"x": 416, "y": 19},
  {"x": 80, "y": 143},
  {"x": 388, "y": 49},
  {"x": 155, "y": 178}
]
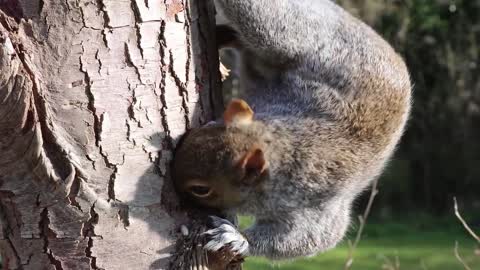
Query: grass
[{"x": 422, "y": 245}]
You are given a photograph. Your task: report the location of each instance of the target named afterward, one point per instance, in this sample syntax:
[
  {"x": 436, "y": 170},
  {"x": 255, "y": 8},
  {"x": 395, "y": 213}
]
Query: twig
[
  {"x": 389, "y": 264},
  {"x": 423, "y": 264},
  {"x": 459, "y": 258},
  {"x": 362, "y": 219},
  {"x": 465, "y": 225},
  {"x": 397, "y": 260},
  {"x": 469, "y": 230}
]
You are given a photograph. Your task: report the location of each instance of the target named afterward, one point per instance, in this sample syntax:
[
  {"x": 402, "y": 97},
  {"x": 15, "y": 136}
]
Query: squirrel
[{"x": 324, "y": 103}]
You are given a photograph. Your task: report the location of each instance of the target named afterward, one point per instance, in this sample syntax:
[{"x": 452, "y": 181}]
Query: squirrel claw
[{"x": 225, "y": 235}]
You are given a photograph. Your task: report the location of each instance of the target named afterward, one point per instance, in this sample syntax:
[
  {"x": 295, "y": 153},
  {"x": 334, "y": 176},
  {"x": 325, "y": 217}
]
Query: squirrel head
[{"x": 220, "y": 165}]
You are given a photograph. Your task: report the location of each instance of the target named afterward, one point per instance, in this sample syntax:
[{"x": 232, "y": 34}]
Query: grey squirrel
[{"x": 331, "y": 100}]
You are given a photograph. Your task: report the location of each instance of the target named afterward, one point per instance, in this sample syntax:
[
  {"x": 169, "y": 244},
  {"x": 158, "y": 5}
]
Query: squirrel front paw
[{"x": 225, "y": 235}]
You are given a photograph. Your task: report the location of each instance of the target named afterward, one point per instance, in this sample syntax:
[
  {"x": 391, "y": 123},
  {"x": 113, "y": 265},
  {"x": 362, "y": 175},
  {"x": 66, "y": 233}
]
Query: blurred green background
[{"x": 412, "y": 225}]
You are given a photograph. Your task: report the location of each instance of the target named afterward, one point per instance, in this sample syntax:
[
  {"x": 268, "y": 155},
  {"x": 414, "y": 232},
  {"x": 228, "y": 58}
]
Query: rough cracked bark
[{"x": 94, "y": 95}]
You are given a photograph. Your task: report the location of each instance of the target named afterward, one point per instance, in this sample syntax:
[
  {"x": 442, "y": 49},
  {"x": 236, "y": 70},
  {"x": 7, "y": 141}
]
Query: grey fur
[{"x": 331, "y": 99}]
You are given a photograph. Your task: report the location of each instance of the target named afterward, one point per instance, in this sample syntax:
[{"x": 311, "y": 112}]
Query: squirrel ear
[
  {"x": 238, "y": 110},
  {"x": 254, "y": 161}
]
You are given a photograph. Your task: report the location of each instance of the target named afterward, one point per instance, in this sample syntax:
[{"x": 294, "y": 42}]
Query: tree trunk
[{"x": 94, "y": 95}]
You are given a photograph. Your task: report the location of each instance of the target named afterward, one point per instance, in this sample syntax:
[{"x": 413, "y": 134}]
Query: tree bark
[{"x": 94, "y": 95}]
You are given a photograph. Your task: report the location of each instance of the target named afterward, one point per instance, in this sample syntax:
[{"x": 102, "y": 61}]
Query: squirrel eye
[{"x": 200, "y": 191}]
